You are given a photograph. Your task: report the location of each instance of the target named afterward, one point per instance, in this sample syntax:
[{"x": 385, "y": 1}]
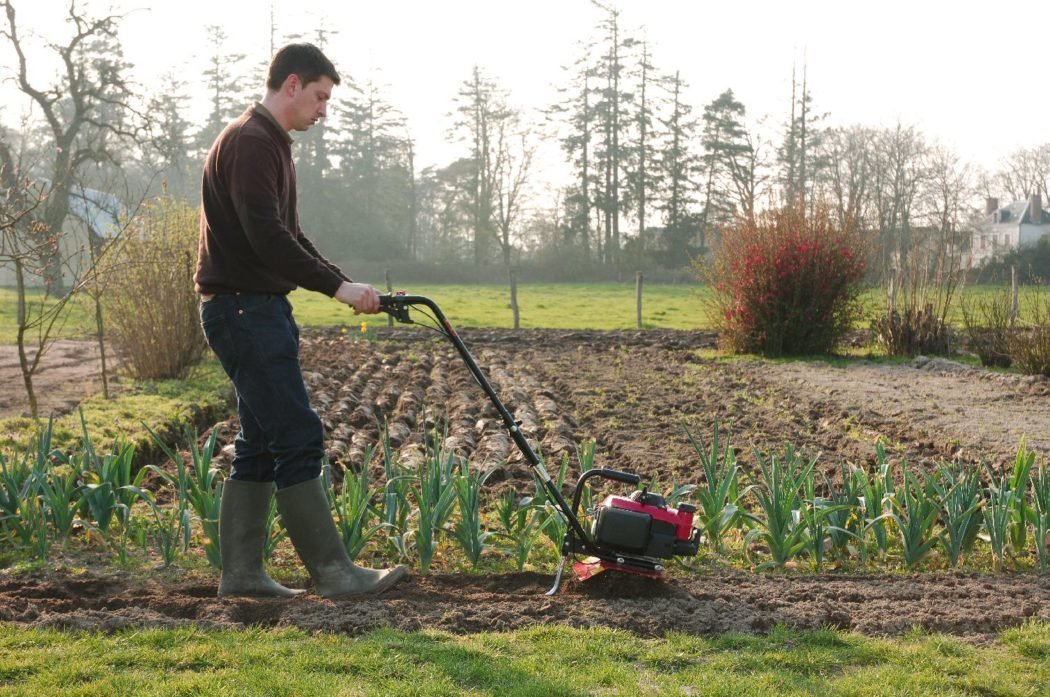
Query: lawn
[
  {"x": 547, "y": 305},
  {"x": 540, "y": 661}
]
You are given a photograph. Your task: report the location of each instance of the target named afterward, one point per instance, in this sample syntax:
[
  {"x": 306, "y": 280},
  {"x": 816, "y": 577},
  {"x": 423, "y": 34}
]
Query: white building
[{"x": 1005, "y": 228}]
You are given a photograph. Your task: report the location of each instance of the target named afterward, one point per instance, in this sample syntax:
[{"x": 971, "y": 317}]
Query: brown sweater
[{"x": 250, "y": 239}]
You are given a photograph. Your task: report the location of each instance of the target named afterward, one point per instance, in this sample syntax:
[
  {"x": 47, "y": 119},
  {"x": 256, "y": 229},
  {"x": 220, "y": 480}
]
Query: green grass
[
  {"x": 78, "y": 320},
  {"x": 538, "y": 661},
  {"x": 551, "y": 305},
  {"x": 163, "y": 404}
]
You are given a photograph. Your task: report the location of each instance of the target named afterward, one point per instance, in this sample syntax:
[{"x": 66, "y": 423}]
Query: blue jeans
[{"x": 257, "y": 341}]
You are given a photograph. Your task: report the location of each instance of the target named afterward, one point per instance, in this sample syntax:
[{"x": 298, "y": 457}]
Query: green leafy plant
[
  {"x": 521, "y": 524},
  {"x": 719, "y": 494},
  {"x": 816, "y": 513},
  {"x": 468, "y": 530},
  {"x": 58, "y": 487},
  {"x": 434, "y": 492},
  {"x": 778, "y": 492},
  {"x": 352, "y": 508},
  {"x": 914, "y": 511},
  {"x": 170, "y": 530},
  {"x": 1022, "y": 514},
  {"x": 846, "y": 516},
  {"x": 1040, "y": 482},
  {"x": 199, "y": 486},
  {"x": 554, "y": 523},
  {"x": 875, "y": 492},
  {"x": 958, "y": 492},
  {"x": 395, "y": 504},
  {"x": 999, "y": 509},
  {"x": 108, "y": 488}
]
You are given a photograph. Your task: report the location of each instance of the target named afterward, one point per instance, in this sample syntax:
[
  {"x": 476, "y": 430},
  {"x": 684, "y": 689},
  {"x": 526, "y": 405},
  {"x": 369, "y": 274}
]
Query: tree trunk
[{"x": 23, "y": 359}]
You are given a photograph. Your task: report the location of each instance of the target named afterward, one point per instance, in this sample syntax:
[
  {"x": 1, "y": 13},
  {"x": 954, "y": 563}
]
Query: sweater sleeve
[
  {"x": 254, "y": 174},
  {"x": 309, "y": 247}
]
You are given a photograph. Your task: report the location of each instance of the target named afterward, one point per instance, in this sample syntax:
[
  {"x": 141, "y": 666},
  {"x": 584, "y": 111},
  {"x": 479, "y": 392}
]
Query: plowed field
[{"x": 634, "y": 393}]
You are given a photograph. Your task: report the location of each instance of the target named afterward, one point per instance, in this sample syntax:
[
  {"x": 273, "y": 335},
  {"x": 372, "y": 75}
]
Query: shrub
[
  {"x": 1029, "y": 344},
  {"x": 988, "y": 321},
  {"x": 149, "y": 296},
  {"x": 926, "y": 276},
  {"x": 786, "y": 283}
]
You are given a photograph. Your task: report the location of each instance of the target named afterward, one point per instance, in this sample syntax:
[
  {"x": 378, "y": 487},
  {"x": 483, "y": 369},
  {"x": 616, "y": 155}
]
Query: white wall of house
[{"x": 995, "y": 236}]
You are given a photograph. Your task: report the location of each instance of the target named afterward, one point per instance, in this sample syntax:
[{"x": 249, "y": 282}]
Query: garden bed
[{"x": 635, "y": 394}]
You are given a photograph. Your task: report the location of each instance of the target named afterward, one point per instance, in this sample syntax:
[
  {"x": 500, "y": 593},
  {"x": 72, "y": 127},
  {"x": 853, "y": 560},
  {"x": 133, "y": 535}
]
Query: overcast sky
[{"x": 978, "y": 80}]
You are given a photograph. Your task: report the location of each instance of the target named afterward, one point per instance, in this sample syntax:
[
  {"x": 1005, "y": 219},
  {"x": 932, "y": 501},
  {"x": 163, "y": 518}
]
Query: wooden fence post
[
  {"x": 389, "y": 289},
  {"x": 514, "y": 296},
  {"x": 1013, "y": 296},
  {"x": 638, "y": 297}
]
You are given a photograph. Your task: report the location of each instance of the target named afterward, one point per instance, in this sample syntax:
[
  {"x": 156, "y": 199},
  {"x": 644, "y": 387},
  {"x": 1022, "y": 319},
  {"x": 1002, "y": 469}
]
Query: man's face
[{"x": 310, "y": 102}]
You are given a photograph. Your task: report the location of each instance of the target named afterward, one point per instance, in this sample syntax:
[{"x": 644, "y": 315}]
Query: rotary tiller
[{"x": 631, "y": 534}]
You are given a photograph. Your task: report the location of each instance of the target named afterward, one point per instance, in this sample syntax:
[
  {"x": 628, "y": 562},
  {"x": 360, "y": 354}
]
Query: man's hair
[{"x": 304, "y": 60}]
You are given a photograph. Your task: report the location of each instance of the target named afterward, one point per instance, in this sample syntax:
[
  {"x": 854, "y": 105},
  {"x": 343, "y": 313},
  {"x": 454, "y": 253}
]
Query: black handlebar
[{"x": 625, "y": 477}]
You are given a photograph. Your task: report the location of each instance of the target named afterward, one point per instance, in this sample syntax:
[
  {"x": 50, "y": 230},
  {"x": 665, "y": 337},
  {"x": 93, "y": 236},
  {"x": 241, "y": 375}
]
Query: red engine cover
[{"x": 682, "y": 520}]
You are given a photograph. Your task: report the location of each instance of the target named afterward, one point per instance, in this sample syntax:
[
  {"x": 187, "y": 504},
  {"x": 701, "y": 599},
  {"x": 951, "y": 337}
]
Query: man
[{"x": 252, "y": 253}]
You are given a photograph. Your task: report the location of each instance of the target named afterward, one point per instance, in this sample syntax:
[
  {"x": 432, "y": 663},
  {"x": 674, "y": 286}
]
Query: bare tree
[
  {"x": 848, "y": 176},
  {"x": 88, "y": 107},
  {"x": 899, "y": 172},
  {"x": 1026, "y": 171},
  {"x": 24, "y": 241},
  {"x": 513, "y": 164}
]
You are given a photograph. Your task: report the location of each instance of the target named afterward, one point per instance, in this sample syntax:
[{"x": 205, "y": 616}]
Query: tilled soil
[
  {"x": 636, "y": 394},
  {"x": 975, "y": 607}
]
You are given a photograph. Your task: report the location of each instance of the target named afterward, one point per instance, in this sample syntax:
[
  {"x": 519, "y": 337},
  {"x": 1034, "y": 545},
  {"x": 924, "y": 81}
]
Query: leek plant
[
  {"x": 718, "y": 498},
  {"x": 275, "y": 531},
  {"x": 434, "y": 492},
  {"x": 958, "y": 492},
  {"x": 816, "y": 514},
  {"x": 875, "y": 493},
  {"x": 1021, "y": 515},
  {"x": 170, "y": 530},
  {"x": 846, "y": 515},
  {"x": 396, "y": 507},
  {"x": 999, "y": 508},
  {"x": 554, "y": 523},
  {"x": 199, "y": 487},
  {"x": 468, "y": 530},
  {"x": 521, "y": 523},
  {"x": 352, "y": 508},
  {"x": 57, "y": 487},
  {"x": 778, "y": 491},
  {"x": 109, "y": 489},
  {"x": 1041, "y": 513},
  {"x": 915, "y": 510}
]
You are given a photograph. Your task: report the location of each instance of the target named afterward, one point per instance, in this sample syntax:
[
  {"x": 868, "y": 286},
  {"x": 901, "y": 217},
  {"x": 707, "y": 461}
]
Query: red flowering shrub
[{"x": 786, "y": 284}]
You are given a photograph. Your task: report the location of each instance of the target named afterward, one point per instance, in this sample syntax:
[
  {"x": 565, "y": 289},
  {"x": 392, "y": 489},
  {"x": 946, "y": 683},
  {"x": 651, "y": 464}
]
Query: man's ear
[{"x": 290, "y": 84}]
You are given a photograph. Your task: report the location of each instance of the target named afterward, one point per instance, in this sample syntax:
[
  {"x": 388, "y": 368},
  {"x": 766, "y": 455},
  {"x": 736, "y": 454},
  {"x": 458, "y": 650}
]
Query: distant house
[
  {"x": 1006, "y": 228},
  {"x": 93, "y": 216}
]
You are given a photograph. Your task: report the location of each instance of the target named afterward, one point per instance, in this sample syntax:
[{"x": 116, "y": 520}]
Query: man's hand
[{"x": 360, "y": 296}]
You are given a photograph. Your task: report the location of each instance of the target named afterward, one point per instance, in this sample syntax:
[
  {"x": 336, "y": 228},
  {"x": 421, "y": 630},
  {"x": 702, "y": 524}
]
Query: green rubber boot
[
  {"x": 308, "y": 519},
  {"x": 242, "y": 533}
]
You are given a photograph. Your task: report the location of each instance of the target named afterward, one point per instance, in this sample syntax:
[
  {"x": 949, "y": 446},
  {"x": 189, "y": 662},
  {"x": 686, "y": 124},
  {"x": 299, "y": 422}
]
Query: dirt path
[
  {"x": 69, "y": 372},
  {"x": 635, "y": 394}
]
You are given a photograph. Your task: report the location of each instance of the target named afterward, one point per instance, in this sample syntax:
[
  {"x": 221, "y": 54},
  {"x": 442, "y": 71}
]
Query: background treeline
[{"x": 621, "y": 173}]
